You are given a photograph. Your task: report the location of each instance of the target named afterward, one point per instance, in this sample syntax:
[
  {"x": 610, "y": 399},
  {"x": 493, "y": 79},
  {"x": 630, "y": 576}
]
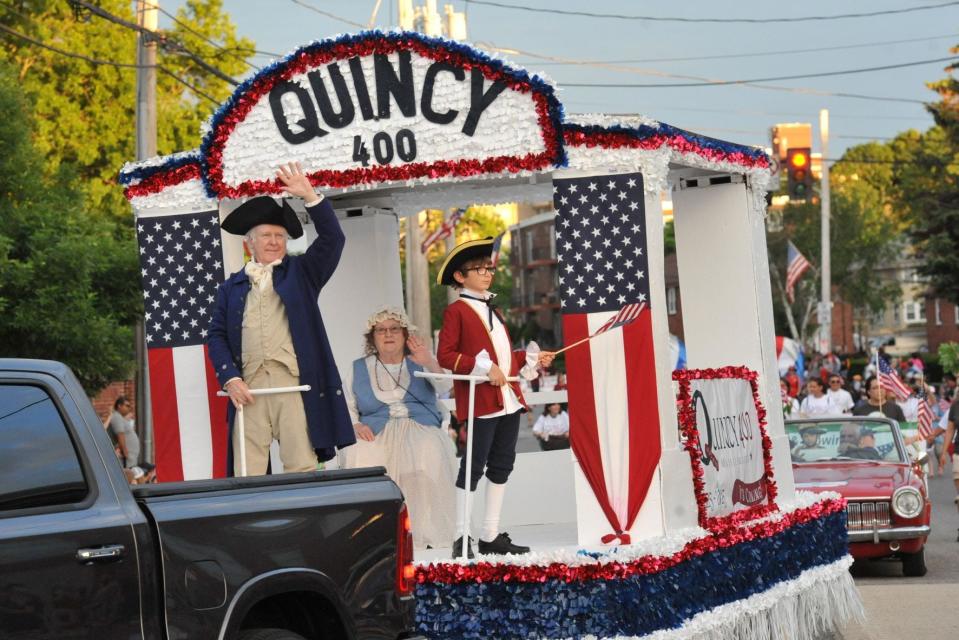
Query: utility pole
[
  {"x": 825, "y": 304},
  {"x": 146, "y": 148}
]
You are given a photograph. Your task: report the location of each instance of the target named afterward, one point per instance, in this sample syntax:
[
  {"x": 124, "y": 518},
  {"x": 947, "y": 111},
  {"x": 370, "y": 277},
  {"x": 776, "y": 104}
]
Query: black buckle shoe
[
  {"x": 501, "y": 545},
  {"x": 458, "y": 549}
]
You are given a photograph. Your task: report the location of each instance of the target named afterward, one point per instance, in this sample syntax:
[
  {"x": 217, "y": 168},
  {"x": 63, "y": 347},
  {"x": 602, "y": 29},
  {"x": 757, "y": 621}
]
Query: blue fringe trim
[
  {"x": 634, "y": 606},
  {"x": 129, "y": 176}
]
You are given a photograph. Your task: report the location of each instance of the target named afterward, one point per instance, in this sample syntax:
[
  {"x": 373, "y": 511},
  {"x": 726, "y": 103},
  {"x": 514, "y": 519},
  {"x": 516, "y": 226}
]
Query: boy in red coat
[{"x": 474, "y": 341}]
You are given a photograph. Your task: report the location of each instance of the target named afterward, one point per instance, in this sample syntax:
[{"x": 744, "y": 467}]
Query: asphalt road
[{"x": 899, "y": 608}]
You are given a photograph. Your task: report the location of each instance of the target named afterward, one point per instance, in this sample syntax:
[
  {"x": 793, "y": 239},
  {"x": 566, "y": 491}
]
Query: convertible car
[{"x": 865, "y": 460}]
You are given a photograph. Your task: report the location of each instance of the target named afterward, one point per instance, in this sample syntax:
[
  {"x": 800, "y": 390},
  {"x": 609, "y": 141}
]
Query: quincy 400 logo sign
[
  {"x": 378, "y": 107},
  {"x": 730, "y": 445}
]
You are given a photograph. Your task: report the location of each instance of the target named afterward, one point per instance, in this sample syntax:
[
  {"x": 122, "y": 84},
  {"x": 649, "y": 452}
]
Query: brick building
[{"x": 942, "y": 322}]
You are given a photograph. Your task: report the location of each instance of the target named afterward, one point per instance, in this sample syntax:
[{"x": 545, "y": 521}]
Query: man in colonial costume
[{"x": 266, "y": 332}]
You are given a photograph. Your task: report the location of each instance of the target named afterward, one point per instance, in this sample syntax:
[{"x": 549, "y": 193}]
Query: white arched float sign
[
  {"x": 382, "y": 107},
  {"x": 387, "y": 122}
]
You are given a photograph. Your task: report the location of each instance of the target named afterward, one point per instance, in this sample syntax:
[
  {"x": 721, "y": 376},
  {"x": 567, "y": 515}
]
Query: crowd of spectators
[{"x": 825, "y": 389}]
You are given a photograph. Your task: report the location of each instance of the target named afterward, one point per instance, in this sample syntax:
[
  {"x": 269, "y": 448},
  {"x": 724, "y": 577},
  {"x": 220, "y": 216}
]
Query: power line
[
  {"x": 111, "y": 63},
  {"x": 620, "y": 16},
  {"x": 716, "y": 83},
  {"x": 755, "y": 54},
  {"x": 307, "y": 5},
  {"x": 234, "y": 52},
  {"x": 765, "y": 87},
  {"x": 166, "y": 42}
]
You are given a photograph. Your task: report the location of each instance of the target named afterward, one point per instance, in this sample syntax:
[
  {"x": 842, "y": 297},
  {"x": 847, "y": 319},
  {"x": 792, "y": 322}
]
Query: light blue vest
[{"x": 375, "y": 414}]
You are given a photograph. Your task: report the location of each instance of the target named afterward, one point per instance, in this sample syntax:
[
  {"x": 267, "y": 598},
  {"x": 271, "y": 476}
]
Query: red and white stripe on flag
[
  {"x": 796, "y": 265},
  {"x": 925, "y": 419},
  {"x": 181, "y": 262},
  {"x": 611, "y": 379},
  {"x": 189, "y": 420},
  {"x": 890, "y": 381}
]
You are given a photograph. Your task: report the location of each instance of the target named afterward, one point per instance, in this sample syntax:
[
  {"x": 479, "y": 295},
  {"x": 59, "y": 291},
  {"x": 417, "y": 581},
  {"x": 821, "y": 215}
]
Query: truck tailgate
[{"x": 218, "y": 538}]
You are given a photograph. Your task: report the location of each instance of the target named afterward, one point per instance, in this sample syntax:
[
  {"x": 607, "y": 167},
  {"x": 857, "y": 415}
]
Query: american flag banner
[
  {"x": 497, "y": 246},
  {"x": 445, "y": 230},
  {"x": 925, "y": 418},
  {"x": 890, "y": 381},
  {"x": 181, "y": 263},
  {"x": 613, "y": 399},
  {"x": 796, "y": 265}
]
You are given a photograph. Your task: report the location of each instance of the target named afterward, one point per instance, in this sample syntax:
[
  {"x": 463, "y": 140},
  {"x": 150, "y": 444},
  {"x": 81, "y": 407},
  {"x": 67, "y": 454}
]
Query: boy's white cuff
[
  {"x": 483, "y": 364},
  {"x": 529, "y": 370}
]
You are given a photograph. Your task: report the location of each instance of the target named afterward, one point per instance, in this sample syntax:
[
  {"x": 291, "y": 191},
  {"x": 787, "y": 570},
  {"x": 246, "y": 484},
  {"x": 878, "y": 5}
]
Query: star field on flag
[
  {"x": 600, "y": 243},
  {"x": 181, "y": 264}
]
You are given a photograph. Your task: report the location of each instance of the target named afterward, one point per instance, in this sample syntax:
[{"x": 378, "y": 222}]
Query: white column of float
[{"x": 726, "y": 301}]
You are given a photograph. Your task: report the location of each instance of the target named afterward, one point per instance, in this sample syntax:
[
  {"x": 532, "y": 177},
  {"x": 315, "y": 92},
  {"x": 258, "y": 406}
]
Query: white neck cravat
[{"x": 261, "y": 274}]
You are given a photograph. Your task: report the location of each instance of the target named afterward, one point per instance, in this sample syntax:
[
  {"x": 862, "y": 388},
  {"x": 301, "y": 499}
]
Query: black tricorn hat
[
  {"x": 463, "y": 253},
  {"x": 263, "y": 210}
]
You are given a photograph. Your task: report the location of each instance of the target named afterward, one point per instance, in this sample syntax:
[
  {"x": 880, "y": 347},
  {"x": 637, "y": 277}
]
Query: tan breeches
[{"x": 275, "y": 416}]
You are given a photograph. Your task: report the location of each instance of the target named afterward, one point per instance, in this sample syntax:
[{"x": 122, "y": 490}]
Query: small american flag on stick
[
  {"x": 443, "y": 231},
  {"x": 890, "y": 381},
  {"x": 627, "y": 314},
  {"x": 796, "y": 265},
  {"x": 925, "y": 418}
]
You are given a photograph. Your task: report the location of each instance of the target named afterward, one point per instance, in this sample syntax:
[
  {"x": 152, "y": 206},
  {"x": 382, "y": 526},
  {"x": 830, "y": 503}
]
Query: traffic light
[{"x": 799, "y": 172}]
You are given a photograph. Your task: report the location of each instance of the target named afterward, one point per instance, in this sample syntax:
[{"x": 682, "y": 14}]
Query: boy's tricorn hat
[
  {"x": 462, "y": 253},
  {"x": 263, "y": 210}
]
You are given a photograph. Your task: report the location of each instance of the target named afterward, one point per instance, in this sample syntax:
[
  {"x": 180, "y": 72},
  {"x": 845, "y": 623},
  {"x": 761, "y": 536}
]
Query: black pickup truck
[{"x": 307, "y": 555}]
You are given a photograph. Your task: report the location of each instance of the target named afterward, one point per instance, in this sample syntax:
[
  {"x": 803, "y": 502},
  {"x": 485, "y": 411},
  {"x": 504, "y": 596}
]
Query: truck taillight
[{"x": 405, "y": 571}]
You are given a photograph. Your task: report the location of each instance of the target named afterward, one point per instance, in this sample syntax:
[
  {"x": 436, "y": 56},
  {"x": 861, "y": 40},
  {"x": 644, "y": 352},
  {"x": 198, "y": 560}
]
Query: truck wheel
[
  {"x": 269, "y": 634},
  {"x": 914, "y": 564}
]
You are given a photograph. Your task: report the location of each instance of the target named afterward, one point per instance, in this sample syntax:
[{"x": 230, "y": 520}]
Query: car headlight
[{"x": 907, "y": 502}]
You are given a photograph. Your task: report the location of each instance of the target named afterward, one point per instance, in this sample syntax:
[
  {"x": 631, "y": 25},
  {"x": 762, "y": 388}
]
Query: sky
[{"x": 649, "y": 49}]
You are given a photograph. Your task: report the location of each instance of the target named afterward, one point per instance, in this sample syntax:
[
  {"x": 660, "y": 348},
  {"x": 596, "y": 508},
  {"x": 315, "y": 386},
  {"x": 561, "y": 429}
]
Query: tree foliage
[
  {"x": 85, "y": 113},
  {"x": 65, "y": 289},
  {"x": 70, "y": 282},
  {"x": 865, "y": 232}
]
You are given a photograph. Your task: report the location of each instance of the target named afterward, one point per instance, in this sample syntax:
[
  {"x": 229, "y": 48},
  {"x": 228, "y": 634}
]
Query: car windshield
[{"x": 842, "y": 440}]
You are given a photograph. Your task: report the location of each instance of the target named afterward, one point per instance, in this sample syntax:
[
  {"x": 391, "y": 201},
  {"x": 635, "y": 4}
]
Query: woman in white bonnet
[{"x": 398, "y": 423}]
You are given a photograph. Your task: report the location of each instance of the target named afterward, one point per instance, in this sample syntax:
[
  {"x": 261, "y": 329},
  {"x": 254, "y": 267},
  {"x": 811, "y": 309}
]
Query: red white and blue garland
[
  {"x": 687, "y": 425},
  {"x": 627, "y": 593},
  {"x": 591, "y": 141}
]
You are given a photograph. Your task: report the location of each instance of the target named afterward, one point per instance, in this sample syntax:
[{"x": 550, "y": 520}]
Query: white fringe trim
[{"x": 820, "y": 600}]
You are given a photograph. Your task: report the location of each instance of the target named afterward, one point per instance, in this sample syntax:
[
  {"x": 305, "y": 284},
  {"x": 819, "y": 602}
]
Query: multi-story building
[
  {"x": 942, "y": 322},
  {"x": 535, "y": 302}
]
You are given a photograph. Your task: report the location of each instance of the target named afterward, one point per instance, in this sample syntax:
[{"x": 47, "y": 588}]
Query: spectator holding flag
[{"x": 876, "y": 402}]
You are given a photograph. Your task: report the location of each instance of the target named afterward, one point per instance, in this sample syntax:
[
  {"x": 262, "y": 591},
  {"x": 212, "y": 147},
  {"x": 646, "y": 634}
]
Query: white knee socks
[
  {"x": 462, "y": 495},
  {"x": 494, "y": 505}
]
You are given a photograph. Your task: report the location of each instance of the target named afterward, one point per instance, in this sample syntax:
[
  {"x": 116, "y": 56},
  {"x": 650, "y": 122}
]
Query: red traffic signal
[{"x": 799, "y": 174}]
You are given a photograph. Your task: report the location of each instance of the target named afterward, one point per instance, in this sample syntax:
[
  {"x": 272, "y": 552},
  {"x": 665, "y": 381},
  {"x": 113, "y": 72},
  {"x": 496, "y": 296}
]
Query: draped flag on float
[
  {"x": 181, "y": 263},
  {"x": 613, "y": 405}
]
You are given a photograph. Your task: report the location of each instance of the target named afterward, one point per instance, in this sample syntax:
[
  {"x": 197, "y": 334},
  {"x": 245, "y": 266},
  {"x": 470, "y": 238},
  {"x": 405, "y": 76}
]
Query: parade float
[{"x": 675, "y": 514}]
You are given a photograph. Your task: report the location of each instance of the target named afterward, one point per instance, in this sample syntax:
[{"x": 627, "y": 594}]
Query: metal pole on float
[
  {"x": 467, "y": 504},
  {"x": 146, "y": 144},
  {"x": 241, "y": 425}
]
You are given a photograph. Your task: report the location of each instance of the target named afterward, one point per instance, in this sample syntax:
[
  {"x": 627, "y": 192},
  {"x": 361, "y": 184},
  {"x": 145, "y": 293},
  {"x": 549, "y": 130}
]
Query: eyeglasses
[
  {"x": 835, "y": 382},
  {"x": 482, "y": 271},
  {"x": 382, "y": 331}
]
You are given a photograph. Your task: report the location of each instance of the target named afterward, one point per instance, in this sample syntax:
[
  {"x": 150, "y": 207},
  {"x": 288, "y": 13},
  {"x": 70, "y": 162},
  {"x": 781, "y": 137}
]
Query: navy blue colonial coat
[{"x": 298, "y": 281}]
